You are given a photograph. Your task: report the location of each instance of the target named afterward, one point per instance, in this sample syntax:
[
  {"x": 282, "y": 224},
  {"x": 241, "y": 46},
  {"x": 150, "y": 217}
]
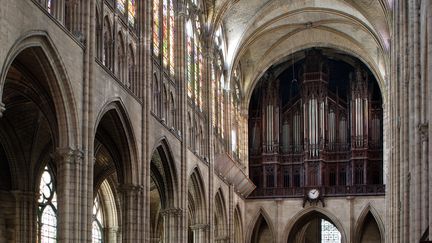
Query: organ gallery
[{"x": 316, "y": 123}]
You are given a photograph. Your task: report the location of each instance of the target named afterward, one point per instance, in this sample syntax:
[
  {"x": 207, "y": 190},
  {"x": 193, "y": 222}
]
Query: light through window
[
  {"x": 97, "y": 225},
  {"x": 47, "y": 210},
  {"x": 329, "y": 233}
]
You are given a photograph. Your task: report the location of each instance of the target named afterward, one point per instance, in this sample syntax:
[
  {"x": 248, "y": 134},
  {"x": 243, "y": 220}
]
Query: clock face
[{"x": 313, "y": 193}]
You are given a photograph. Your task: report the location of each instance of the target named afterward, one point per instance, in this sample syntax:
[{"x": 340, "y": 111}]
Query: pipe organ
[{"x": 327, "y": 134}]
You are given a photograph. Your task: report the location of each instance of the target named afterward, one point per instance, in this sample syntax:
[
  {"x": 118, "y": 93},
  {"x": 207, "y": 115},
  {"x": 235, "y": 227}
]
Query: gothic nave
[{"x": 229, "y": 121}]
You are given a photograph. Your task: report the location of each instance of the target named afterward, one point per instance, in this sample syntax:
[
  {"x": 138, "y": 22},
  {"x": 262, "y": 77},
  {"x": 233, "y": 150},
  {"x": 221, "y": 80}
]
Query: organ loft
[{"x": 316, "y": 123}]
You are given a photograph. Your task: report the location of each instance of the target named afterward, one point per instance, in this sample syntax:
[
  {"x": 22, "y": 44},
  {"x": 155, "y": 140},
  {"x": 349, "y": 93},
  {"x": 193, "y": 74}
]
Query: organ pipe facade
[{"x": 327, "y": 134}]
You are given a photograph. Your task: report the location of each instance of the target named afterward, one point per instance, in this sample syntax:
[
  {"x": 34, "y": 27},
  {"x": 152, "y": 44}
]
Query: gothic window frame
[
  {"x": 236, "y": 97},
  {"x": 127, "y": 10},
  {"x": 194, "y": 54},
  {"x": 46, "y": 203},
  {"x": 164, "y": 34},
  {"x": 97, "y": 219}
]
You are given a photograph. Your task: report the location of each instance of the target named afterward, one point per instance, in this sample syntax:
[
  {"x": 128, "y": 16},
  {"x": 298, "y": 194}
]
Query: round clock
[{"x": 313, "y": 194}]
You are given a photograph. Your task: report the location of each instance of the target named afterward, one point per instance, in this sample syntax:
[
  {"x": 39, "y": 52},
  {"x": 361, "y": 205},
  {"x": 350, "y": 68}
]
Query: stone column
[
  {"x": 230, "y": 231},
  {"x": 208, "y": 54},
  {"x": 70, "y": 194},
  {"x": 111, "y": 234},
  {"x": 25, "y": 216},
  {"x": 171, "y": 222},
  {"x": 182, "y": 109},
  {"x": 59, "y": 8},
  {"x": 424, "y": 197},
  {"x": 200, "y": 232},
  {"x": 130, "y": 195}
]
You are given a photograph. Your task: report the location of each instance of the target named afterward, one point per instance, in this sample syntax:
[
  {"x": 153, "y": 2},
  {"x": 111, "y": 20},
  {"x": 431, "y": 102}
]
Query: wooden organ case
[{"x": 316, "y": 139}]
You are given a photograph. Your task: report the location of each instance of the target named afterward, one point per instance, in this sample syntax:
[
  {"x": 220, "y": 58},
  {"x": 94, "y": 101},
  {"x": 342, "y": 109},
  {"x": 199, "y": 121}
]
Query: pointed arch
[
  {"x": 197, "y": 197},
  {"x": 164, "y": 174},
  {"x": 113, "y": 128},
  {"x": 302, "y": 218},
  {"x": 107, "y": 43},
  {"x": 261, "y": 228},
  {"x": 220, "y": 217},
  {"x": 121, "y": 56},
  {"x": 44, "y": 55},
  {"x": 238, "y": 225},
  {"x": 368, "y": 215}
]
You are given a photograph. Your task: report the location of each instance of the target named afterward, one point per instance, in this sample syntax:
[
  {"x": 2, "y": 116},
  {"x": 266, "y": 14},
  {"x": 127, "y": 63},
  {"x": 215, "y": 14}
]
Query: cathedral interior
[{"x": 229, "y": 121}]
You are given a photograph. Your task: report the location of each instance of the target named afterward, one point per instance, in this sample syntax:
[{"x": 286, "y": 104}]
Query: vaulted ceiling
[{"x": 262, "y": 33}]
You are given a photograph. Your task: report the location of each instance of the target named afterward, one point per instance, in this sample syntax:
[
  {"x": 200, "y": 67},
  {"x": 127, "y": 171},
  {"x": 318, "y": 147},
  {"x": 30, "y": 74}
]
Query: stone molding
[
  {"x": 69, "y": 155},
  {"x": 171, "y": 211},
  {"x": 424, "y": 131},
  {"x": 130, "y": 188},
  {"x": 2, "y": 109},
  {"x": 200, "y": 227}
]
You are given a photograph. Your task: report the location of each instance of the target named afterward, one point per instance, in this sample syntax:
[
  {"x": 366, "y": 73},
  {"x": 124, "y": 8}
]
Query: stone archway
[
  {"x": 220, "y": 218},
  {"x": 197, "y": 208},
  {"x": 369, "y": 227},
  {"x": 38, "y": 128},
  {"x": 115, "y": 159},
  {"x": 164, "y": 214},
  {"x": 262, "y": 231},
  {"x": 314, "y": 225}
]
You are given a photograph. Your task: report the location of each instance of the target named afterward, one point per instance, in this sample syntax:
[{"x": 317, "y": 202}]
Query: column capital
[
  {"x": 2, "y": 109},
  {"x": 130, "y": 188},
  {"x": 171, "y": 211},
  {"x": 182, "y": 9},
  {"x": 69, "y": 155},
  {"x": 423, "y": 129},
  {"x": 199, "y": 227}
]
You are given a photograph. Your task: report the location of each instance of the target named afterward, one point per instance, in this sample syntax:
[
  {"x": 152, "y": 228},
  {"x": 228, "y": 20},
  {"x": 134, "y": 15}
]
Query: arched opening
[
  {"x": 106, "y": 216},
  {"x": 114, "y": 158},
  {"x": 315, "y": 227},
  {"x": 29, "y": 137},
  {"x": 319, "y": 118},
  {"x": 121, "y": 57},
  {"x": 108, "y": 47},
  {"x": 197, "y": 213},
  {"x": 262, "y": 233},
  {"x": 163, "y": 224},
  {"x": 238, "y": 226},
  {"x": 220, "y": 218},
  {"x": 370, "y": 232}
]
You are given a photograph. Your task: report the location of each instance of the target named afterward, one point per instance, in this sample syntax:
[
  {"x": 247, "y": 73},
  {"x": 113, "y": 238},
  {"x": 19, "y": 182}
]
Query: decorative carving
[
  {"x": 171, "y": 211},
  {"x": 69, "y": 155},
  {"x": 424, "y": 131},
  {"x": 200, "y": 227}
]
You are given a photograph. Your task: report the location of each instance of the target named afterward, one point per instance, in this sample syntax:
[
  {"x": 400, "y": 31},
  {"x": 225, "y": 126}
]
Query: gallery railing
[{"x": 331, "y": 191}]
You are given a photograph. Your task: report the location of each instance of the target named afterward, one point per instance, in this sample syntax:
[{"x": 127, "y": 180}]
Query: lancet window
[{"x": 163, "y": 34}]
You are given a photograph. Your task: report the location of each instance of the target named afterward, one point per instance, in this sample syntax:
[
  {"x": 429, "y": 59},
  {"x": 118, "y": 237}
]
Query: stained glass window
[
  {"x": 47, "y": 210},
  {"x": 196, "y": 71},
  {"x": 329, "y": 233},
  {"x": 222, "y": 106},
  {"x": 213, "y": 93},
  {"x": 189, "y": 55},
  {"x": 163, "y": 33},
  {"x": 201, "y": 78},
  {"x": 97, "y": 225},
  {"x": 121, "y": 5},
  {"x": 171, "y": 34},
  {"x": 132, "y": 12},
  {"x": 49, "y": 6},
  {"x": 156, "y": 27}
]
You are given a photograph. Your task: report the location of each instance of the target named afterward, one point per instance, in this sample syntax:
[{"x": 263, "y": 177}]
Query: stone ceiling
[{"x": 261, "y": 33}]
